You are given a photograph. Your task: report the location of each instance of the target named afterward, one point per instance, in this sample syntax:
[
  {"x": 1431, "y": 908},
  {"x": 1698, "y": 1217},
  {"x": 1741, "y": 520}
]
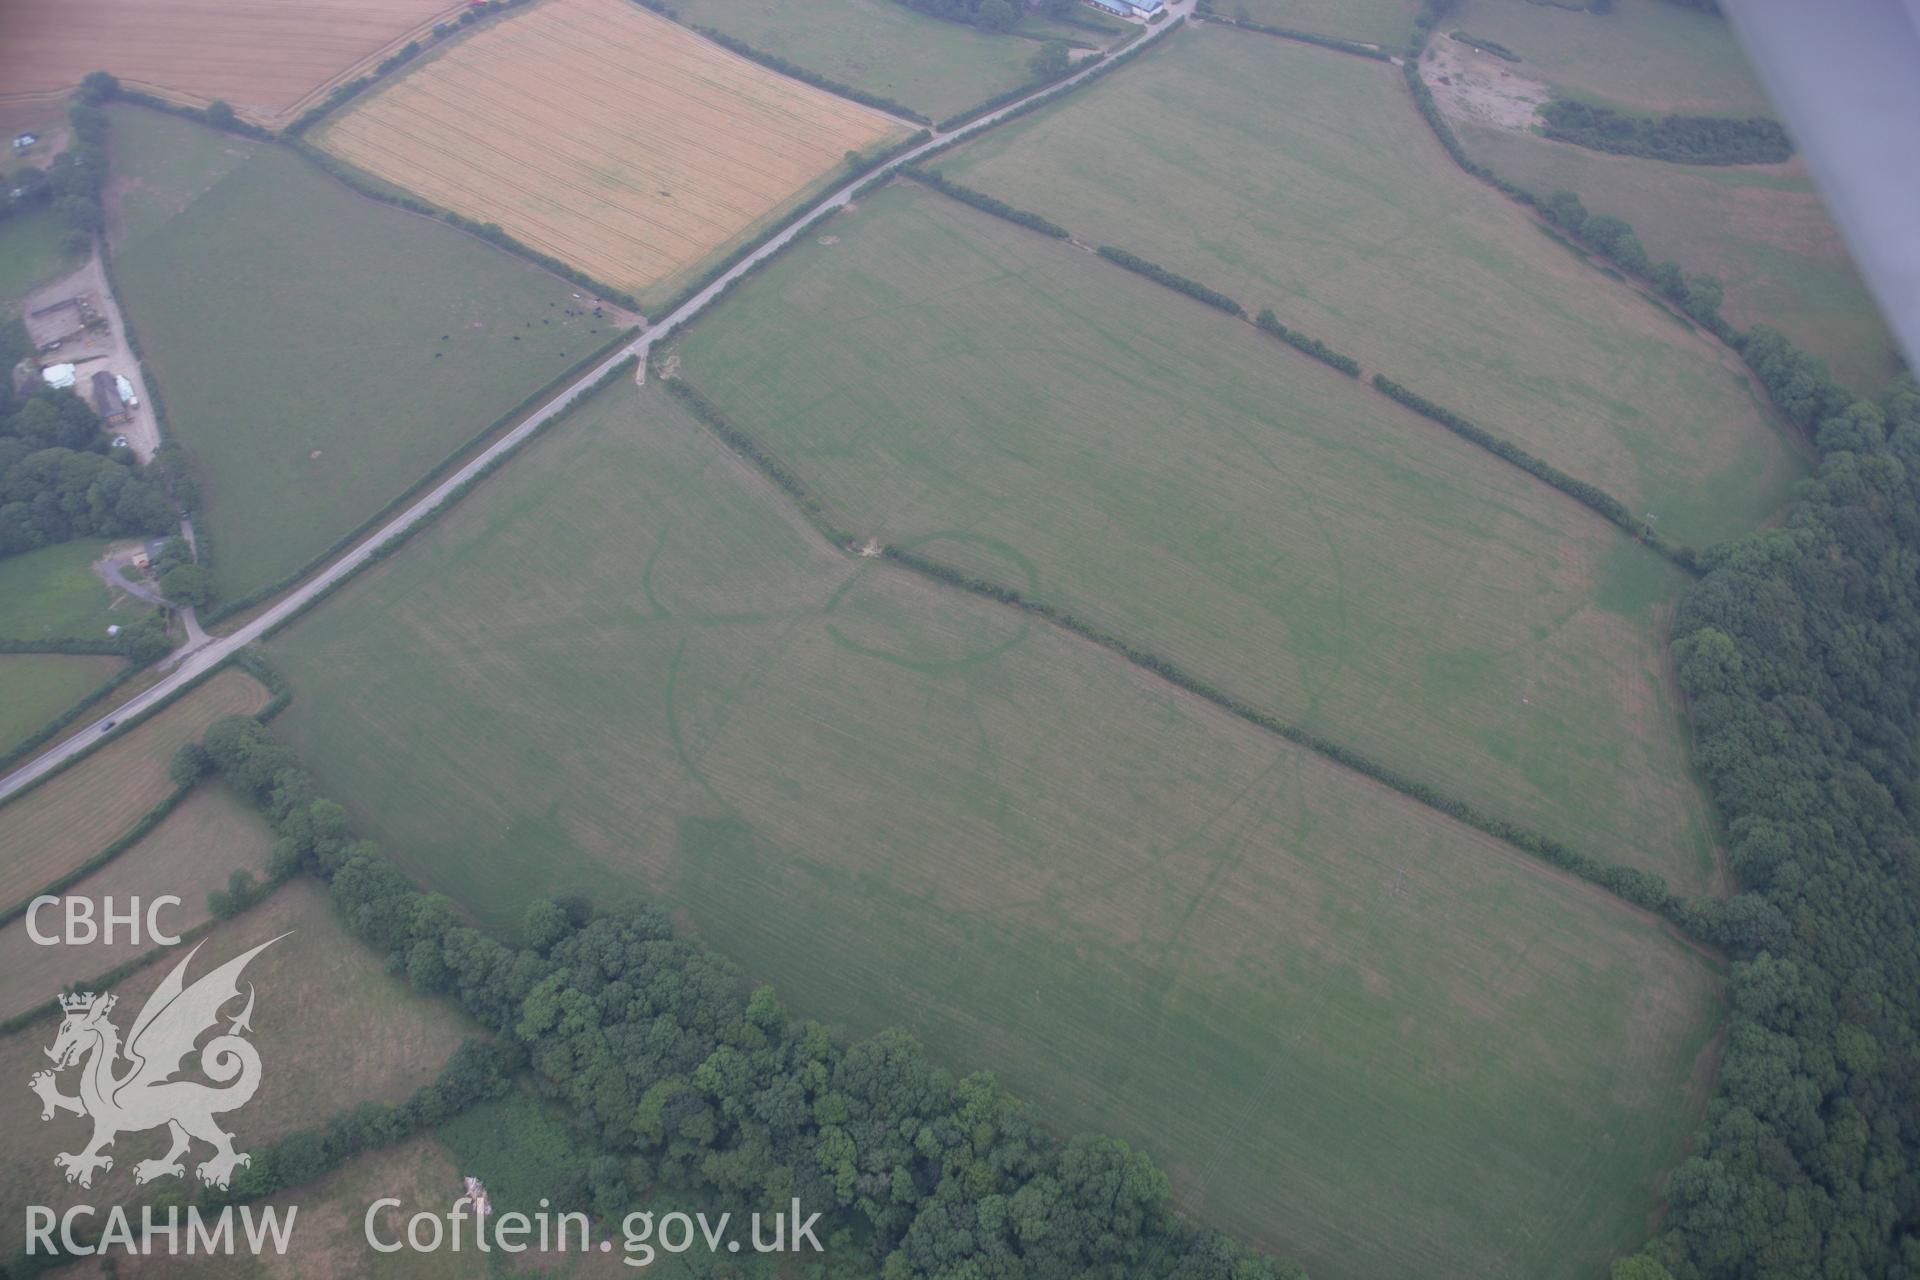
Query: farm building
[
  {"x": 107, "y": 401},
  {"x": 1129, "y": 8},
  {"x": 58, "y": 376}
]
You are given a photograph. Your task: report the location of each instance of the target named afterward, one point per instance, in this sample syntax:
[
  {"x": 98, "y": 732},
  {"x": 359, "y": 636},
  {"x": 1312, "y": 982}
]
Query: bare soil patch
[{"x": 1476, "y": 87}]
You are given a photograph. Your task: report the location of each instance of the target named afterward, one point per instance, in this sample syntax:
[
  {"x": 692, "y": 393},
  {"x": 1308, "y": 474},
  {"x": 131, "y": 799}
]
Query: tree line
[
  {"x": 1178, "y": 283},
  {"x": 984, "y": 202},
  {"x": 688, "y": 1079},
  {"x": 1493, "y": 47},
  {"x": 1310, "y": 345},
  {"x": 1799, "y": 651},
  {"x": 1673, "y": 138},
  {"x": 1206, "y": 9}
]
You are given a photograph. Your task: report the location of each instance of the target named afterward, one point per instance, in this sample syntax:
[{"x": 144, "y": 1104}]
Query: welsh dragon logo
[{"x": 143, "y": 1094}]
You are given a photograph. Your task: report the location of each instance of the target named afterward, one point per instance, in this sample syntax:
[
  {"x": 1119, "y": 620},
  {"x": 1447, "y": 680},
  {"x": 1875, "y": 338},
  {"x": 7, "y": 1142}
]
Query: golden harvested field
[
  {"x": 73, "y": 815},
  {"x": 608, "y": 137},
  {"x": 195, "y": 848},
  {"x": 268, "y": 59}
]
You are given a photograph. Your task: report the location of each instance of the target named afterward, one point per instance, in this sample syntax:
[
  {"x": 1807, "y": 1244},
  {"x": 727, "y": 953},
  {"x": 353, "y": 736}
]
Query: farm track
[{"x": 192, "y": 663}]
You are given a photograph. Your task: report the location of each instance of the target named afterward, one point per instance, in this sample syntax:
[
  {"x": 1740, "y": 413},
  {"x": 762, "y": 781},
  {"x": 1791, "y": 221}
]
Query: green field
[
  {"x": 1383, "y": 22},
  {"x": 1307, "y": 183},
  {"x": 1179, "y": 480},
  {"x": 31, "y": 252},
  {"x": 52, "y": 594},
  {"x": 1648, "y": 55},
  {"x": 319, "y": 352},
  {"x": 36, "y": 687},
  {"x": 625, "y": 662},
  {"x": 879, "y": 46},
  {"x": 1762, "y": 230}
]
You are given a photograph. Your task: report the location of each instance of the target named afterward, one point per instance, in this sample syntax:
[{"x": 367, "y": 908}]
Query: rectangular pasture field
[
  {"x": 319, "y": 352},
  {"x": 333, "y": 1027},
  {"x": 608, "y": 137},
  {"x": 58, "y": 824},
  {"x": 268, "y": 59},
  {"x": 51, "y": 594},
  {"x": 1309, "y": 184},
  {"x": 1300, "y": 992},
  {"x": 209, "y": 836},
  {"x": 1176, "y": 479}
]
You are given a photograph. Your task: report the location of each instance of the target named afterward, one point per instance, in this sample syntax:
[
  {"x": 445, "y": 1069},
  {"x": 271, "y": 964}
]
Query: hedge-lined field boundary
[
  {"x": 1312, "y": 346},
  {"x": 1641, "y": 888},
  {"x": 39, "y": 737},
  {"x": 759, "y": 242},
  {"x": 260, "y": 595},
  {"x": 1354, "y": 47},
  {"x": 1591, "y": 496},
  {"x": 984, "y": 202},
  {"x": 1178, "y": 283}
]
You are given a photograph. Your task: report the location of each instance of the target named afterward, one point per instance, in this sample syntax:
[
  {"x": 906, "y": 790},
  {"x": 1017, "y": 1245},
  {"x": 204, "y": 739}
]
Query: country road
[{"x": 193, "y": 660}]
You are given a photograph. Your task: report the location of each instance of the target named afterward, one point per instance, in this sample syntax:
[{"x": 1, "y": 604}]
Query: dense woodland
[
  {"x": 1677, "y": 139},
  {"x": 1800, "y": 650}
]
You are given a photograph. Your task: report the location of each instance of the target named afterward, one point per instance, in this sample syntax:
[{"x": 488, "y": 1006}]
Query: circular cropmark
[{"x": 933, "y": 626}]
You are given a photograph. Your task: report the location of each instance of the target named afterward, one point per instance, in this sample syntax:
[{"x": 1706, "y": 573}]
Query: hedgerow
[
  {"x": 1589, "y": 495},
  {"x": 1312, "y": 346},
  {"x": 1180, "y": 284},
  {"x": 984, "y": 202}
]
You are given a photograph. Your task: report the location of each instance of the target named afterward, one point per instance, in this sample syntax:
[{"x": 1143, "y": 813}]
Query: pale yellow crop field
[{"x": 608, "y": 137}]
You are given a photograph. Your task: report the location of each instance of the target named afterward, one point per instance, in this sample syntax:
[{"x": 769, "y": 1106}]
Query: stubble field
[
  {"x": 608, "y": 137},
  {"x": 192, "y": 851},
  {"x": 1179, "y": 480},
  {"x": 1296, "y": 179},
  {"x": 264, "y": 57},
  {"x": 49, "y": 830},
  {"x": 908, "y": 806},
  {"x": 333, "y": 1027}
]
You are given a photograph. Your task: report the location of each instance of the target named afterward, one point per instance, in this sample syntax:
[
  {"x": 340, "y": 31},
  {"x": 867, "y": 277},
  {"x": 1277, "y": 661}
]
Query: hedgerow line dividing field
[
  {"x": 1141, "y": 910},
  {"x": 1299, "y": 176},
  {"x": 46, "y": 832},
  {"x": 190, "y": 853},
  {"x": 606, "y": 136},
  {"x": 1271, "y": 555}
]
